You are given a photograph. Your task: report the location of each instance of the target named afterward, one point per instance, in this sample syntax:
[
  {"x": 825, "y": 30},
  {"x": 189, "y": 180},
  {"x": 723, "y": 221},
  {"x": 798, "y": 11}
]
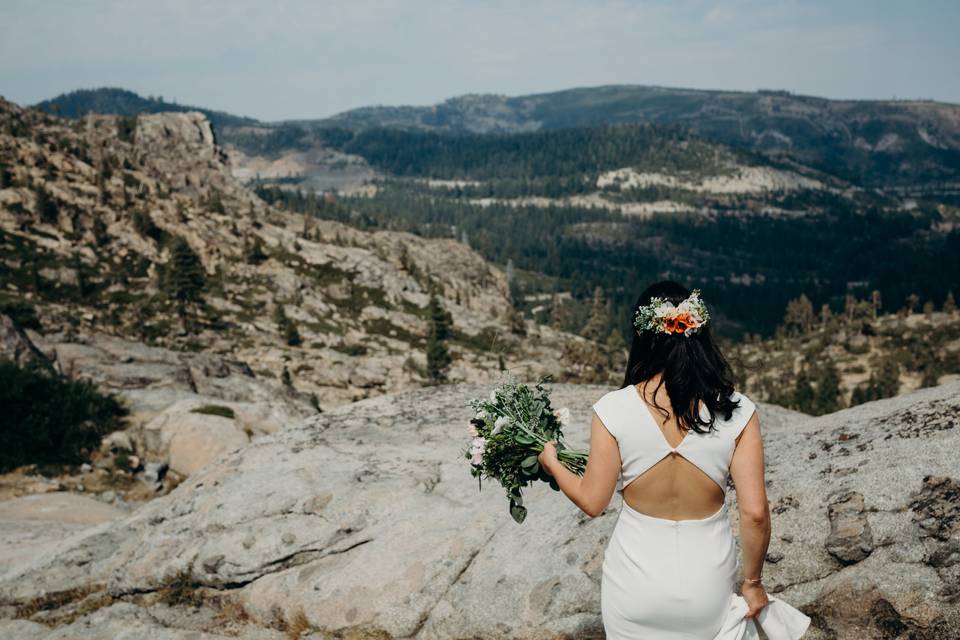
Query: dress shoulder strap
[{"x": 742, "y": 414}]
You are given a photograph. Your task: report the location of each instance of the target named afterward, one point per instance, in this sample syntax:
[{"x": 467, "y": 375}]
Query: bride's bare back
[{"x": 673, "y": 488}]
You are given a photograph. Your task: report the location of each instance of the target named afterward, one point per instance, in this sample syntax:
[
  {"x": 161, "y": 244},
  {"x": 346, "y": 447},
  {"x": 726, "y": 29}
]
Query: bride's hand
[
  {"x": 756, "y": 597},
  {"x": 548, "y": 456}
]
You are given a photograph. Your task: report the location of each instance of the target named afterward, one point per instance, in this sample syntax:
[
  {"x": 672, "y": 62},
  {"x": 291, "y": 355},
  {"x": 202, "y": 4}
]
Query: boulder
[
  {"x": 850, "y": 539},
  {"x": 188, "y": 439}
]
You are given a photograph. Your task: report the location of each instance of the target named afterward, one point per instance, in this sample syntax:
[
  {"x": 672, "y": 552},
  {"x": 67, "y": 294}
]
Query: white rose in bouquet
[{"x": 563, "y": 415}]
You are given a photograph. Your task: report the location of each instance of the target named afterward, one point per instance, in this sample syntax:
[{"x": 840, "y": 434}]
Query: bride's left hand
[{"x": 548, "y": 456}]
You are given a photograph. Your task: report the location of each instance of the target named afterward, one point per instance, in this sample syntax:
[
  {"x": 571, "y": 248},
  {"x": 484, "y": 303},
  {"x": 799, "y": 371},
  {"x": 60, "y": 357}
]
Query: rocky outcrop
[
  {"x": 364, "y": 520},
  {"x": 15, "y": 346},
  {"x": 850, "y": 539},
  {"x": 151, "y": 379},
  {"x": 34, "y": 524}
]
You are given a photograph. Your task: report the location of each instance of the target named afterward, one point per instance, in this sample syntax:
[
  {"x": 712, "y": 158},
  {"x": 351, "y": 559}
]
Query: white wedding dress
[{"x": 675, "y": 579}]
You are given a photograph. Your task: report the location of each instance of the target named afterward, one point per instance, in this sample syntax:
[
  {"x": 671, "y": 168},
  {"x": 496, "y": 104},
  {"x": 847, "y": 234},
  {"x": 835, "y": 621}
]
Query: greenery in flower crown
[
  {"x": 509, "y": 431},
  {"x": 661, "y": 316}
]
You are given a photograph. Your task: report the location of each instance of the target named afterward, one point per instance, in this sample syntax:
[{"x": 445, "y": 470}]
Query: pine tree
[
  {"x": 438, "y": 356},
  {"x": 931, "y": 372},
  {"x": 803, "y": 393},
  {"x": 884, "y": 382},
  {"x": 861, "y": 394},
  {"x": 216, "y": 204},
  {"x": 47, "y": 209},
  {"x": 441, "y": 319},
  {"x": 888, "y": 378},
  {"x": 287, "y": 327},
  {"x": 183, "y": 278},
  {"x": 253, "y": 250},
  {"x": 913, "y": 300},
  {"x": 83, "y": 284},
  {"x": 849, "y": 302},
  {"x": 516, "y": 321},
  {"x": 6, "y": 177},
  {"x": 798, "y": 317},
  {"x": 145, "y": 226},
  {"x": 825, "y": 314},
  {"x": 827, "y": 396},
  {"x": 100, "y": 235},
  {"x": 949, "y": 304},
  {"x": 875, "y": 302},
  {"x": 558, "y": 313},
  {"x": 599, "y": 319}
]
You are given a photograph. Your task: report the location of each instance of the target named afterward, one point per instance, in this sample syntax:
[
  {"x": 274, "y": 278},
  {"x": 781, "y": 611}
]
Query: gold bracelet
[{"x": 753, "y": 580}]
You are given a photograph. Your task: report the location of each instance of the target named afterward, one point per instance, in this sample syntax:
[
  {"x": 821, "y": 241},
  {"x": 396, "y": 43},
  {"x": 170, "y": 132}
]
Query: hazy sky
[{"x": 296, "y": 59}]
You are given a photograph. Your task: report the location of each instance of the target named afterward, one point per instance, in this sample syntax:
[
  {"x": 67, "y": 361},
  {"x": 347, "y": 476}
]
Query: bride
[{"x": 667, "y": 441}]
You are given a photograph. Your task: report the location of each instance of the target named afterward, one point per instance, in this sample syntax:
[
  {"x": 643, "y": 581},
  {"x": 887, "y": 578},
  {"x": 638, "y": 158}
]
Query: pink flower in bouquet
[{"x": 479, "y": 444}]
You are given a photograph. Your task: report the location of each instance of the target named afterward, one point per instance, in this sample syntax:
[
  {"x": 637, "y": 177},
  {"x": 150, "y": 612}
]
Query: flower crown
[{"x": 662, "y": 316}]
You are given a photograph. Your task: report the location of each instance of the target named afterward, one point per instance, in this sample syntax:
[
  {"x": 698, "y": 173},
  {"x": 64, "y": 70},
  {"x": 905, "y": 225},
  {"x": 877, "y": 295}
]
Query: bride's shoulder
[
  {"x": 744, "y": 402},
  {"x": 741, "y": 413},
  {"x": 609, "y": 401},
  {"x": 612, "y": 395}
]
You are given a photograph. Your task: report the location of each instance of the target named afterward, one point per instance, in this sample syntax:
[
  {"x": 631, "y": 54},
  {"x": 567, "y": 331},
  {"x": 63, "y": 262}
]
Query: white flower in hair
[{"x": 661, "y": 316}]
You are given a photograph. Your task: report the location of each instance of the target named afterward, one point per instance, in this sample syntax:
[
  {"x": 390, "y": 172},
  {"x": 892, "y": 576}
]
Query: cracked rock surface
[{"x": 365, "y": 520}]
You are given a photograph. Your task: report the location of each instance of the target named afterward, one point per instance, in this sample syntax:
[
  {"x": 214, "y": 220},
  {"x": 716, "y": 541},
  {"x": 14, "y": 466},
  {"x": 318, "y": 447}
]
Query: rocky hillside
[
  {"x": 364, "y": 522},
  {"x": 818, "y": 363},
  {"x": 135, "y": 228}
]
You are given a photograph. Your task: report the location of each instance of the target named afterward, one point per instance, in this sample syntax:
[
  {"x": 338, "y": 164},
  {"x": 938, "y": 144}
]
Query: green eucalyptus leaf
[
  {"x": 518, "y": 512},
  {"x": 553, "y": 484},
  {"x": 529, "y": 462}
]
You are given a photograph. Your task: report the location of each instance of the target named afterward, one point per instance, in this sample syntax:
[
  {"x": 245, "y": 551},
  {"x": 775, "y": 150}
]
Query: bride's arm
[
  {"x": 747, "y": 473},
  {"x": 592, "y": 491}
]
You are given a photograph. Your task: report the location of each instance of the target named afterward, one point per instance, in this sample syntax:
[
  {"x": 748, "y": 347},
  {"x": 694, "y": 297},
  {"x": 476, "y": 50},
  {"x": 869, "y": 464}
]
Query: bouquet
[{"x": 509, "y": 431}]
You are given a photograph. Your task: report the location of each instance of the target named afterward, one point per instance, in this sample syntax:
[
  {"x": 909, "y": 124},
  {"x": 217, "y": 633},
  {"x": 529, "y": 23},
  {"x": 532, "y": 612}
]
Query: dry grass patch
[
  {"x": 181, "y": 589},
  {"x": 59, "y": 599}
]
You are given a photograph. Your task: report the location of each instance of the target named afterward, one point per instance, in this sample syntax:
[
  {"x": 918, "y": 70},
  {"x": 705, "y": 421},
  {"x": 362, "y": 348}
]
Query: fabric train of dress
[{"x": 659, "y": 582}]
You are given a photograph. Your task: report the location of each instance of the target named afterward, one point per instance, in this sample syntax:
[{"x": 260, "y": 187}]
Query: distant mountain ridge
[
  {"x": 874, "y": 143},
  {"x": 912, "y": 145}
]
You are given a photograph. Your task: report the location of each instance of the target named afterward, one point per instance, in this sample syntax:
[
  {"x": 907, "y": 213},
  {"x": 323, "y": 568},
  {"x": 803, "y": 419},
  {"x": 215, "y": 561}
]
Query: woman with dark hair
[{"x": 666, "y": 441}]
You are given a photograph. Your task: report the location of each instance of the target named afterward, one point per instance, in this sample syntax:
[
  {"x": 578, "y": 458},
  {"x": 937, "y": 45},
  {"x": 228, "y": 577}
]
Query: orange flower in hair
[{"x": 661, "y": 316}]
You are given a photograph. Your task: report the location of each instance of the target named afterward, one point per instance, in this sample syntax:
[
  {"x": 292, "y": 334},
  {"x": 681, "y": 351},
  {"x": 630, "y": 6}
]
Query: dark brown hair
[{"x": 692, "y": 368}]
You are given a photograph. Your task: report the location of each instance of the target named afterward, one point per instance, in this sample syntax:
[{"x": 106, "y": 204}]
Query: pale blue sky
[{"x": 305, "y": 59}]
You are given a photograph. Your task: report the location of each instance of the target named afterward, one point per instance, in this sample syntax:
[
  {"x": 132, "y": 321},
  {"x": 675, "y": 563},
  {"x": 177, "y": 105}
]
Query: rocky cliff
[
  {"x": 91, "y": 214},
  {"x": 363, "y": 522}
]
